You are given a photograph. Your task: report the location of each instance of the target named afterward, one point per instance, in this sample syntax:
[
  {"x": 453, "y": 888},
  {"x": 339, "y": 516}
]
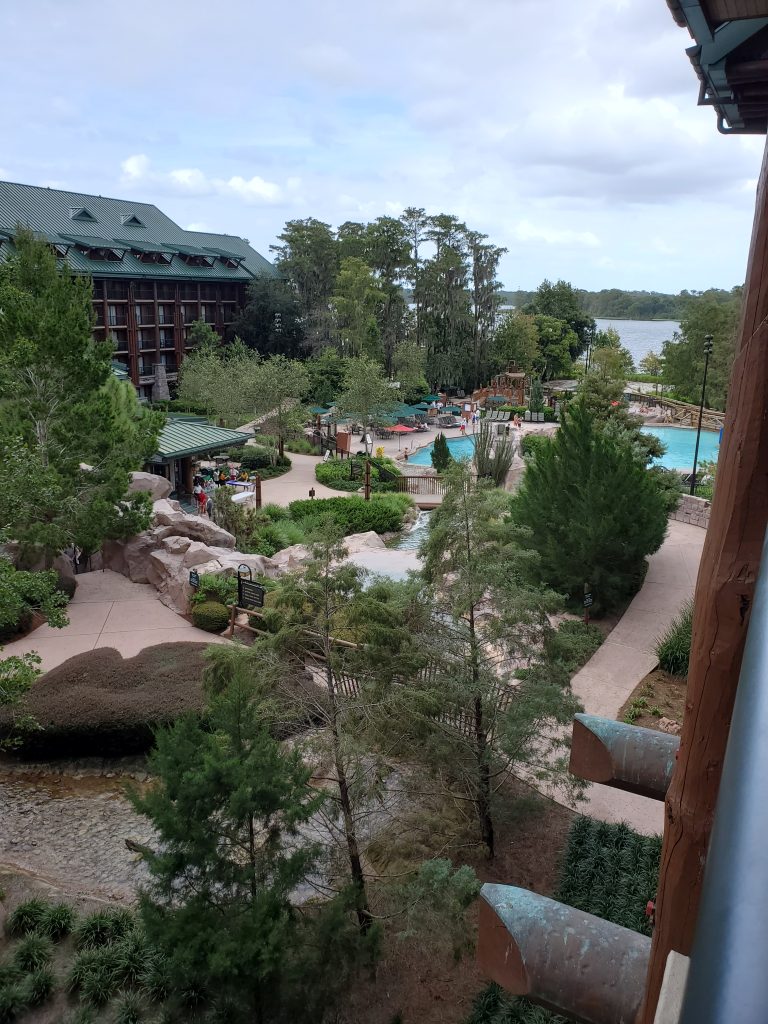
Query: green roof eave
[{"x": 180, "y": 438}]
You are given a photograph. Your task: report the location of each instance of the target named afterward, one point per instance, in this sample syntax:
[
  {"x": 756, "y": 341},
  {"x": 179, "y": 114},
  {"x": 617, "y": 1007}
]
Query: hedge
[
  {"x": 212, "y": 616},
  {"x": 257, "y": 458},
  {"x": 99, "y": 704},
  {"x": 349, "y": 474},
  {"x": 384, "y": 513}
]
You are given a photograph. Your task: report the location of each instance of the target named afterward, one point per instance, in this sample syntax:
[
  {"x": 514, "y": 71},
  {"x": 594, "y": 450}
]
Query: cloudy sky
[{"x": 567, "y": 131}]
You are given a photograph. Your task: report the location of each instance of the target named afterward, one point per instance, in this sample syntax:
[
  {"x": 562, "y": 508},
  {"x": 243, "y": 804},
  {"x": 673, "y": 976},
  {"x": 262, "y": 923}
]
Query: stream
[{"x": 66, "y": 822}]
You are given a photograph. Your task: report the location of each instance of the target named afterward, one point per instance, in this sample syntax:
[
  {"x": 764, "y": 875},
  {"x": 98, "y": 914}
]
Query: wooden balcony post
[{"x": 724, "y": 593}]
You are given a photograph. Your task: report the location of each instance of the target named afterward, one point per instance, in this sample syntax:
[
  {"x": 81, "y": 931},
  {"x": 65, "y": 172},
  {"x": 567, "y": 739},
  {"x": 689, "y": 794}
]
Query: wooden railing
[{"x": 420, "y": 485}]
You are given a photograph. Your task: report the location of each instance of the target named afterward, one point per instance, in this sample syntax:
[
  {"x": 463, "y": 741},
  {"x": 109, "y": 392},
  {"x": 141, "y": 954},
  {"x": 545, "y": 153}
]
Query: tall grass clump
[{"x": 673, "y": 647}]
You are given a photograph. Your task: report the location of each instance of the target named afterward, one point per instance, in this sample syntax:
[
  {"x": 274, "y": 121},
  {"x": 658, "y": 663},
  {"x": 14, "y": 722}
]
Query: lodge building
[{"x": 151, "y": 278}]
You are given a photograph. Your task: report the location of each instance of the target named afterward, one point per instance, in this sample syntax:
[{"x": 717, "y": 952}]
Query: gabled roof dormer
[
  {"x": 80, "y": 213},
  {"x": 131, "y": 220}
]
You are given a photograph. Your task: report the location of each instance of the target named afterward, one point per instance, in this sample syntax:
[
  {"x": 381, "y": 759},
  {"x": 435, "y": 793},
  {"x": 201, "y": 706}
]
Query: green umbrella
[{"x": 432, "y": 398}]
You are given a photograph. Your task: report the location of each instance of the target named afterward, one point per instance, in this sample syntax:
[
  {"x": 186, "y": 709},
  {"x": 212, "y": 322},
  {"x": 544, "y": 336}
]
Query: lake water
[
  {"x": 641, "y": 336},
  {"x": 680, "y": 442}
]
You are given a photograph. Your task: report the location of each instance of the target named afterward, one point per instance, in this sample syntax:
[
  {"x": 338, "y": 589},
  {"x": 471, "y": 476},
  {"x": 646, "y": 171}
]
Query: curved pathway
[
  {"x": 109, "y": 611},
  {"x": 627, "y": 656}
]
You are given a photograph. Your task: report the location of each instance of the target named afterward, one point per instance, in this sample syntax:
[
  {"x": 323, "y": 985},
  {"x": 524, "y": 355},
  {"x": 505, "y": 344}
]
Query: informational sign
[
  {"x": 327, "y": 455},
  {"x": 587, "y": 600},
  {"x": 249, "y": 594},
  {"x": 194, "y": 578}
]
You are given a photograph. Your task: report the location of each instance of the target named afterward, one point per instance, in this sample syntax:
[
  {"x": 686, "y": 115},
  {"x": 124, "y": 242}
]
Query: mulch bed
[{"x": 661, "y": 691}]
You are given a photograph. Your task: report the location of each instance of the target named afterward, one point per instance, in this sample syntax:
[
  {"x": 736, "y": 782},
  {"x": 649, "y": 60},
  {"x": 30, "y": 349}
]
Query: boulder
[
  {"x": 670, "y": 726},
  {"x": 131, "y": 557},
  {"x": 156, "y": 486},
  {"x": 357, "y": 542},
  {"x": 172, "y": 523},
  {"x": 290, "y": 558}
]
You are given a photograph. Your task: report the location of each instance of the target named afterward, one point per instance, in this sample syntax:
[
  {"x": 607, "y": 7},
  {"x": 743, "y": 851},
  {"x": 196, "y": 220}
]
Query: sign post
[
  {"x": 587, "y": 601},
  {"x": 194, "y": 578}
]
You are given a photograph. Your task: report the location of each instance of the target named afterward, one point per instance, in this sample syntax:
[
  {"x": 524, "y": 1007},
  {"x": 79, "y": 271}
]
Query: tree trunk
[
  {"x": 724, "y": 592},
  {"x": 350, "y": 834},
  {"x": 483, "y": 797}
]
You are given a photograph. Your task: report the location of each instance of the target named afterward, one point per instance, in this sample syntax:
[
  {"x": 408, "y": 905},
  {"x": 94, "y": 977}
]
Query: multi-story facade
[{"x": 151, "y": 278}]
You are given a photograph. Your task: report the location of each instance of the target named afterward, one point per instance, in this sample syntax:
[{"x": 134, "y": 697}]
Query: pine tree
[
  {"x": 441, "y": 454},
  {"x": 592, "y": 510},
  {"x": 68, "y": 431},
  {"x": 481, "y": 717},
  {"x": 231, "y": 810}
]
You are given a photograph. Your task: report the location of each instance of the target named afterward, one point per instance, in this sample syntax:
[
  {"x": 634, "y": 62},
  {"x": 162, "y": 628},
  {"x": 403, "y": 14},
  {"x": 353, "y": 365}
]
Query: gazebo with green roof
[{"x": 181, "y": 439}]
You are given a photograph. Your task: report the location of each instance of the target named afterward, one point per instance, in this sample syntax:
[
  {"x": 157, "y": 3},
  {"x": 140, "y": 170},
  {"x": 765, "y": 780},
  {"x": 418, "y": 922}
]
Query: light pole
[{"x": 707, "y": 353}]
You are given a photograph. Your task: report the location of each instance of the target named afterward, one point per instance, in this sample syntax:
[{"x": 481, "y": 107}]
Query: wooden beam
[
  {"x": 623, "y": 756},
  {"x": 569, "y": 961},
  {"x": 724, "y": 592}
]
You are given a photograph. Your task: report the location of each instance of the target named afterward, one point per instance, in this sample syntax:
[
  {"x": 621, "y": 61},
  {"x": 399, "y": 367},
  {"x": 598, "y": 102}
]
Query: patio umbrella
[
  {"x": 432, "y": 398},
  {"x": 400, "y": 428},
  {"x": 421, "y": 405},
  {"x": 452, "y": 408}
]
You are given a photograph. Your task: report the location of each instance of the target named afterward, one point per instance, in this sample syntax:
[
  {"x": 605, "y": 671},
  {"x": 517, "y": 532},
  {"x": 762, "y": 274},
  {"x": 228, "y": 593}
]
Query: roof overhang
[{"x": 730, "y": 57}]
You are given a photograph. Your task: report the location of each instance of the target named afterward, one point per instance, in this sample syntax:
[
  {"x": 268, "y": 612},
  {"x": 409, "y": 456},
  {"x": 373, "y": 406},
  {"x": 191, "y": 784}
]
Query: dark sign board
[
  {"x": 249, "y": 594},
  {"x": 194, "y": 578},
  {"x": 587, "y": 600}
]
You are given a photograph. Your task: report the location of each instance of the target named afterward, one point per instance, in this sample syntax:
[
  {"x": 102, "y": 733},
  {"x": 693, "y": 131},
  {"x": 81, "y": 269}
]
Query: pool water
[
  {"x": 680, "y": 442},
  {"x": 459, "y": 447}
]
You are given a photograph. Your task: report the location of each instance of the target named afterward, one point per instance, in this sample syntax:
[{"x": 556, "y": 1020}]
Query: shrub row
[
  {"x": 533, "y": 443},
  {"x": 384, "y": 513}
]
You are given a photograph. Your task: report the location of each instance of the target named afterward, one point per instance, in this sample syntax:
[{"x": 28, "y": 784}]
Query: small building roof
[
  {"x": 560, "y": 385},
  {"x": 119, "y": 233},
  {"x": 182, "y": 437}
]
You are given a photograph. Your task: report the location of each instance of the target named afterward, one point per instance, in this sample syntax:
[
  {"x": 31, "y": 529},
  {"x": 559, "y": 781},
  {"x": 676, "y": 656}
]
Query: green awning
[
  {"x": 432, "y": 398},
  {"x": 180, "y": 438}
]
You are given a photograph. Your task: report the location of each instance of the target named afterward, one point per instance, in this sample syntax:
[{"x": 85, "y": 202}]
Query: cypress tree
[
  {"x": 441, "y": 454},
  {"x": 592, "y": 510}
]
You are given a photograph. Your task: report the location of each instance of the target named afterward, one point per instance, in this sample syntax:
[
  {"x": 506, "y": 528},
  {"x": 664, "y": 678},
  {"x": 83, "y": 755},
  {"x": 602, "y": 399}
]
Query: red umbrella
[{"x": 400, "y": 428}]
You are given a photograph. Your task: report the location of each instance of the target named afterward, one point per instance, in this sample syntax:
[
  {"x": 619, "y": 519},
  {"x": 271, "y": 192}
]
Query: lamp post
[{"x": 707, "y": 353}]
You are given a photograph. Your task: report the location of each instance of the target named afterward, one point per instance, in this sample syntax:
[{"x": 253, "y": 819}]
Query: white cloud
[
  {"x": 194, "y": 182},
  {"x": 526, "y": 232}
]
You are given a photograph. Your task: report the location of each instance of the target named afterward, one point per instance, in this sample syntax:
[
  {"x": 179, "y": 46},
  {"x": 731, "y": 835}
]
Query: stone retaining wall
[{"x": 692, "y": 510}]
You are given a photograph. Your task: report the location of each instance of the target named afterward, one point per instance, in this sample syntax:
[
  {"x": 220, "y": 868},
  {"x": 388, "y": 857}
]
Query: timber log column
[{"x": 724, "y": 593}]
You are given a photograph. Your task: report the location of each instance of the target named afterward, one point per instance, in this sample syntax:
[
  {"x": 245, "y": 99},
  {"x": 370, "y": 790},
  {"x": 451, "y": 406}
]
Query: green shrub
[
  {"x": 573, "y": 643},
  {"x": 349, "y": 474},
  {"x": 129, "y": 1009},
  {"x": 673, "y": 647},
  {"x": 27, "y": 918},
  {"x": 59, "y": 920},
  {"x": 300, "y": 445},
  {"x": 212, "y": 616},
  {"x": 103, "y": 928},
  {"x": 12, "y": 1003},
  {"x": 32, "y": 952},
  {"x": 532, "y": 444},
  {"x": 39, "y": 986},
  {"x": 214, "y": 587},
  {"x": 102, "y": 705},
  {"x": 383, "y": 513}
]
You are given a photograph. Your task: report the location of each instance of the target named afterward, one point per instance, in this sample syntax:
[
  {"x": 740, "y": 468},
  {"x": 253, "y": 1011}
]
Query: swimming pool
[
  {"x": 459, "y": 447},
  {"x": 680, "y": 442}
]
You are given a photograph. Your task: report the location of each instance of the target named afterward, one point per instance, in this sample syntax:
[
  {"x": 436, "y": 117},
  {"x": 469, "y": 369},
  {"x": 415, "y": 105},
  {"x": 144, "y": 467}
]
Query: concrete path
[
  {"x": 296, "y": 483},
  {"x": 110, "y": 611},
  {"x": 610, "y": 676}
]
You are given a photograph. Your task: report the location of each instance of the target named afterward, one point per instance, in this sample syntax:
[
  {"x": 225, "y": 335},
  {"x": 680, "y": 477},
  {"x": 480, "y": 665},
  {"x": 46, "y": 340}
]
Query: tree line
[{"x": 621, "y": 304}]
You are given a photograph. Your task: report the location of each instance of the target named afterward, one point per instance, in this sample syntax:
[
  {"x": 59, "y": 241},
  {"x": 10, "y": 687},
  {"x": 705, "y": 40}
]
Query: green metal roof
[
  {"x": 190, "y": 437},
  {"x": 48, "y": 212}
]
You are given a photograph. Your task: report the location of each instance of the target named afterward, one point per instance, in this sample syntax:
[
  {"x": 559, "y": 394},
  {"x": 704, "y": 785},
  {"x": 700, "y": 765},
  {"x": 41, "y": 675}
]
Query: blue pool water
[
  {"x": 459, "y": 447},
  {"x": 680, "y": 442}
]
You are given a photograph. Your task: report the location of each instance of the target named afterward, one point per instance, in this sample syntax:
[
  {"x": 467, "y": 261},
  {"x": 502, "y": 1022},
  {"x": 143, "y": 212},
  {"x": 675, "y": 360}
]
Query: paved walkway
[
  {"x": 627, "y": 656},
  {"x": 110, "y": 611}
]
